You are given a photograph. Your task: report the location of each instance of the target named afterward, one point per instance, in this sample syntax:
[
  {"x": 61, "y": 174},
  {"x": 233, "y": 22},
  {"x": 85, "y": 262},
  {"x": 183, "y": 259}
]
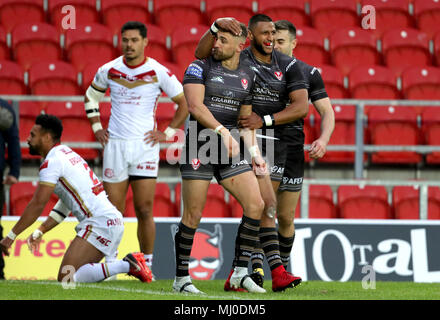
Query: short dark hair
[
  {"x": 135, "y": 25},
  {"x": 286, "y": 25},
  {"x": 51, "y": 124},
  {"x": 243, "y": 34},
  {"x": 259, "y": 17}
]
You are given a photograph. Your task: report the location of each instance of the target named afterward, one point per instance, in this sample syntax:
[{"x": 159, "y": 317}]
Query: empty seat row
[
  {"x": 352, "y": 202},
  {"x": 325, "y": 15},
  {"x": 345, "y": 48}
]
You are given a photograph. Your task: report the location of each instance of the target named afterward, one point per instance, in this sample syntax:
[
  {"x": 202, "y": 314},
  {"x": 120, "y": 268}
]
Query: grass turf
[{"x": 161, "y": 290}]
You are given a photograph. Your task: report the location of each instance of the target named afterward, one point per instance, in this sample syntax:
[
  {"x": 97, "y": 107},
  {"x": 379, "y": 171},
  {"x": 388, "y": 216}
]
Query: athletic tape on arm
[
  {"x": 59, "y": 212},
  {"x": 92, "y": 106}
]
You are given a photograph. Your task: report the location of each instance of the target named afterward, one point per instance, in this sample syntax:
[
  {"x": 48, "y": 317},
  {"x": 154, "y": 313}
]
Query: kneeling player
[{"x": 101, "y": 225}]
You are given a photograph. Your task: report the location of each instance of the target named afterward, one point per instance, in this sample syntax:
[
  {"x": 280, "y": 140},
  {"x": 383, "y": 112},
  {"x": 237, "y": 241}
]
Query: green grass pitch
[{"x": 161, "y": 290}]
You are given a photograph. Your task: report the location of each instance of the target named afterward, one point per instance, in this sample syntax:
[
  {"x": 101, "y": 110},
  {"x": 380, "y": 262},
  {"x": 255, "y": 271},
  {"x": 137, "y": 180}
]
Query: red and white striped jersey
[
  {"x": 75, "y": 183},
  {"x": 134, "y": 92}
]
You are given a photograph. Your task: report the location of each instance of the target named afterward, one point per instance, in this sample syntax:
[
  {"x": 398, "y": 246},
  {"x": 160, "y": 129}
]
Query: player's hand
[
  {"x": 229, "y": 24},
  {"x": 154, "y": 137},
  {"x": 10, "y": 180},
  {"x": 317, "y": 149},
  {"x": 102, "y": 136},
  {"x": 231, "y": 144},
  {"x": 252, "y": 121},
  {"x": 5, "y": 244},
  {"x": 33, "y": 241},
  {"x": 259, "y": 166}
]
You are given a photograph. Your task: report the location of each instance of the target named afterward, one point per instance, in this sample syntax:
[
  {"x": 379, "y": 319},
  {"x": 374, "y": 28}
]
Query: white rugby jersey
[
  {"x": 134, "y": 92},
  {"x": 75, "y": 183}
]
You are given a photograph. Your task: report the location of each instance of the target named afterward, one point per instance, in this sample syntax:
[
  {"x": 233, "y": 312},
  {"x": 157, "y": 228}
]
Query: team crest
[
  {"x": 244, "y": 83},
  {"x": 195, "y": 163},
  {"x": 279, "y": 75}
]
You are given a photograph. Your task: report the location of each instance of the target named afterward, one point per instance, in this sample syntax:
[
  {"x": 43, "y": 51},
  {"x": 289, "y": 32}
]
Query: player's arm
[
  {"x": 205, "y": 44},
  {"x": 93, "y": 96},
  {"x": 32, "y": 211},
  {"x": 57, "y": 215},
  {"x": 297, "y": 109},
  {"x": 319, "y": 147},
  {"x": 194, "y": 94}
]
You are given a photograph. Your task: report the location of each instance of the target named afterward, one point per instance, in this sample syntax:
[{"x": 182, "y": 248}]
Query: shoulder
[{"x": 107, "y": 66}]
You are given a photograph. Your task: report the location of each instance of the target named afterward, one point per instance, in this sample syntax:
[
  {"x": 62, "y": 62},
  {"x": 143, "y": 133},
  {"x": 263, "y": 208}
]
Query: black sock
[
  {"x": 269, "y": 243},
  {"x": 183, "y": 241},
  {"x": 246, "y": 241},
  {"x": 257, "y": 257},
  {"x": 286, "y": 245}
]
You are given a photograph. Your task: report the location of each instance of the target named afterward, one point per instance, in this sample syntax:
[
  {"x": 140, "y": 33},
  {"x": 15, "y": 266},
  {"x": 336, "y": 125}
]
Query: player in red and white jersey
[
  {"x": 131, "y": 149},
  {"x": 101, "y": 225}
]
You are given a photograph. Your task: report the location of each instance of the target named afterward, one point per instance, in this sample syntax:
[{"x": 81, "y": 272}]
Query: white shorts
[
  {"x": 124, "y": 158},
  {"x": 103, "y": 232}
]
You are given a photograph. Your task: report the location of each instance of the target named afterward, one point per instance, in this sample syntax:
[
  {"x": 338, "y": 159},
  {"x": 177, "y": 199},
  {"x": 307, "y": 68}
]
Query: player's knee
[
  {"x": 285, "y": 220},
  {"x": 254, "y": 209},
  {"x": 192, "y": 216},
  {"x": 144, "y": 212}
]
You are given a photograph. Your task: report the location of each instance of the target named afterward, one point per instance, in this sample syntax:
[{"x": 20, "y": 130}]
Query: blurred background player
[
  {"x": 205, "y": 84},
  {"x": 8, "y": 138},
  {"x": 279, "y": 97},
  {"x": 131, "y": 149},
  {"x": 101, "y": 225}
]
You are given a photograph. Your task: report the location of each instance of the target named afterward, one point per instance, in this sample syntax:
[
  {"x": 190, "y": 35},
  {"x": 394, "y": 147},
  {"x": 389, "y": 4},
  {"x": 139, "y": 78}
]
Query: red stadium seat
[
  {"x": 437, "y": 48},
  {"x": 310, "y": 47},
  {"x": 343, "y": 134},
  {"x": 405, "y": 47},
  {"x": 184, "y": 42},
  {"x": 178, "y": 198},
  {"x": 242, "y": 10},
  {"x": 285, "y": 10},
  {"x": 406, "y": 202},
  {"x": 373, "y": 82},
  {"x": 162, "y": 205},
  {"x": 172, "y": 14},
  {"x": 11, "y": 78},
  {"x": 76, "y": 126},
  {"x": 85, "y": 13},
  {"x": 53, "y": 78},
  {"x": 334, "y": 82},
  {"x": 390, "y": 14},
  {"x": 308, "y": 129},
  {"x": 90, "y": 43},
  {"x": 157, "y": 44},
  {"x": 353, "y": 47},
  {"x": 115, "y": 13},
  {"x": 164, "y": 114},
  {"x": 28, "y": 111},
  {"x": 330, "y": 15},
  {"x": 21, "y": 193},
  {"x": 35, "y": 42},
  {"x": 393, "y": 126},
  {"x": 431, "y": 132},
  {"x": 421, "y": 83},
  {"x": 88, "y": 74},
  {"x": 369, "y": 202},
  {"x": 4, "y": 49},
  {"x": 427, "y": 15},
  {"x": 321, "y": 204},
  {"x": 15, "y": 12}
]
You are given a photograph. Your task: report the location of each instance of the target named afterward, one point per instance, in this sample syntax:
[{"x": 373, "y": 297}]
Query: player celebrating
[
  {"x": 218, "y": 89},
  {"x": 131, "y": 152},
  {"x": 101, "y": 225},
  {"x": 279, "y": 97}
]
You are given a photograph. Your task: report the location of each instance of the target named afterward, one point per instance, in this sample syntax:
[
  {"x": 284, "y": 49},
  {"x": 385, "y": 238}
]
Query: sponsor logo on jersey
[
  {"x": 244, "y": 83},
  {"x": 132, "y": 81},
  {"x": 194, "y": 70},
  {"x": 195, "y": 163},
  {"x": 109, "y": 173},
  {"x": 278, "y": 74}
]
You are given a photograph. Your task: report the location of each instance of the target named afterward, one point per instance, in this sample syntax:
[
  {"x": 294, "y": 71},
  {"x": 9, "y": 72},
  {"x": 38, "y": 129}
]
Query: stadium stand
[
  {"x": 285, "y": 10},
  {"x": 406, "y": 202},
  {"x": 15, "y": 12},
  {"x": 162, "y": 206},
  {"x": 369, "y": 202},
  {"x": 310, "y": 47},
  {"x": 172, "y": 14},
  {"x": 329, "y": 15},
  {"x": 352, "y": 47},
  {"x": 427, "y": 15},
  {"x": 394, "y": 126},
  {"x": 11, "y": 78},
  {"x": 29, "y": 110},
  {"x": 20, "y": 195},
  {"x": 405, "y": 47},
  {"x": 35, "y": 42},
  {"x": 242, "y": 10},
  {"x": 5, "y": 53},
  {"x": 53, "y": 78},
  {"x": 430, "y": 119},
  {"x": 87, "y": 75},
  {"x": 437, "y": 48},
  {"x": 321, "y": 205},
  {"x": 333, "y": 81},
  {"x": 184, "y": 42},
  {"x": 115, "y": 13},
  {"x": 89, "y": 43},
  {"x": 421, "y": 83},
  {"x": 85, "y": 12},
  {"x": 157, "y": 44}
]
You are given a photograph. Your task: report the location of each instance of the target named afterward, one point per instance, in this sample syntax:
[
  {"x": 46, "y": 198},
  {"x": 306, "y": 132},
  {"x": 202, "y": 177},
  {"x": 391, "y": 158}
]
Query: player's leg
[
  {"x": 143, "y": 197},
  {"x": 248, "y": 230},
  {"x": 117, "y": 193}
]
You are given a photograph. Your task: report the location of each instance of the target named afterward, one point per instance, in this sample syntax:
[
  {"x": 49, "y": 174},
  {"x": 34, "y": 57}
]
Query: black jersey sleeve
[
  {"x": 294, "y": 77},
  {"x": 196, "y": 72},
  {"x": 317, "y": 88}
]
